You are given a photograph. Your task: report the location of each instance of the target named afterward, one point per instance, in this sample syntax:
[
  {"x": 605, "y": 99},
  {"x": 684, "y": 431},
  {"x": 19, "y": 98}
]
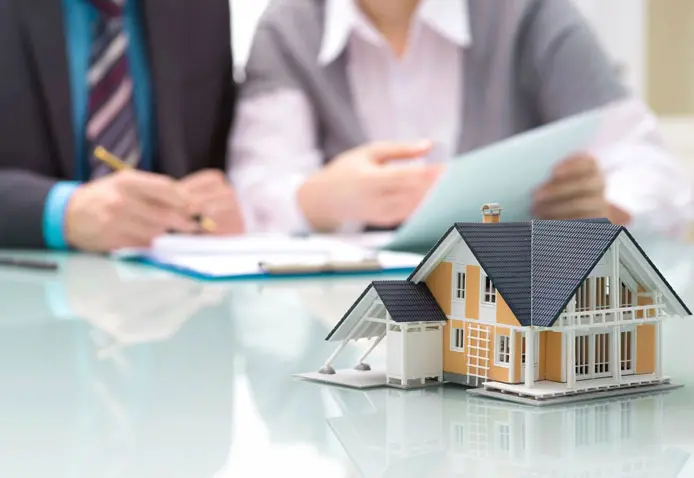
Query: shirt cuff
[
  {"x": 654, "y": 204},
  {"x": 54, "y": 214}
]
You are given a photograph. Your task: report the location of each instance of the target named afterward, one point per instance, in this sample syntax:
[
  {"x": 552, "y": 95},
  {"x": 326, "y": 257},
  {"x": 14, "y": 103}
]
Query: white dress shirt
[{"x": 274, "y": 147}]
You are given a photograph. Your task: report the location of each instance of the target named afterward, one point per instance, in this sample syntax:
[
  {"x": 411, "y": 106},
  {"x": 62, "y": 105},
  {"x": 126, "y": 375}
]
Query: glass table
[{"x": 119, "y": 370}]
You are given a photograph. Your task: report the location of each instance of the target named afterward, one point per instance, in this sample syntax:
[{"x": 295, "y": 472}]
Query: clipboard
[{"x": 258, "y": 257}]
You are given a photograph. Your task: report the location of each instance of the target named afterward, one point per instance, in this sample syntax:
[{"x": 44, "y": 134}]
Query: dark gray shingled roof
[
  {"x": 537, "y": 266},
  {"x": 408, "y": 302},
  {"x": 563, "y": 254},
  {"x": 503, "y": 251}
]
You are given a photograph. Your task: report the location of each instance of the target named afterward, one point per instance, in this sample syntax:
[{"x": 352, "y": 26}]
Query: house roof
[
  {"x": 409, "y": 302},
  {"x": 537, "y": 266},
  {"x": 405, "y": 301}
]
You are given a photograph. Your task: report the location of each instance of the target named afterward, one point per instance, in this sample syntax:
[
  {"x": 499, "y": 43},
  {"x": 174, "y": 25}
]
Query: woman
[{"x": 339, "y": 92}]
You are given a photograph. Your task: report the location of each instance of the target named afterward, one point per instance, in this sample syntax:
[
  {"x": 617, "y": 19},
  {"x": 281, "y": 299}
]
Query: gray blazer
[
  {"x": 531, "y": 62},
  {"x": 191, "y": 69}
]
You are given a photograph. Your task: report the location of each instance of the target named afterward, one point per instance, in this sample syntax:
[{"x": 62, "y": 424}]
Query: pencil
[
  {"x": 29, "y": 264},
  {"x": 117, "y": 164}
]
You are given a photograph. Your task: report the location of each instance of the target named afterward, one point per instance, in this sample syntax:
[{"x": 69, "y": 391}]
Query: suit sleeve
[
  {"x": 23, "y": 192},
  {"x": 562, "y": 64}
]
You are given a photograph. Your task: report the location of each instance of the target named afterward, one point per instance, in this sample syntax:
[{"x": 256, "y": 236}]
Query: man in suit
[{"x": 150, "y": 81}]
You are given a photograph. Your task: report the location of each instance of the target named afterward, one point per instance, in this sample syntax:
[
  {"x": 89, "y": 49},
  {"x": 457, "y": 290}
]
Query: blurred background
[{"x": 651, "y": 42}]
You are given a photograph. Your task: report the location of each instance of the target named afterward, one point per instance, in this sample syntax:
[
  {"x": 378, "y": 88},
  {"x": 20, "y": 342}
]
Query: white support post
[
  {"x": 658, "y": 350},
  {"x": 529, "y": 357},
  {"x": 373, "y": 345},
  {"x": 615, "y": 295},
  {"x": 592, "y": 288},
  {"x": 512, "y": 348},
  {"x": 570, "y": 359},
  {"x": 404, "y": 379},
  {"x": 616, "y": 360},
  {"x": 328, "y": 367}
]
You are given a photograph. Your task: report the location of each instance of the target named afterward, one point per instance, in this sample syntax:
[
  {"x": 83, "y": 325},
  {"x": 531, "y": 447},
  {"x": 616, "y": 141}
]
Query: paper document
[
  {"x": 506, "y": 173},
  {"x": 258, "y": 255}
]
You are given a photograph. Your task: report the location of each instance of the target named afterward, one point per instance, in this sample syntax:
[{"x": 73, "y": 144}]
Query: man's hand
[
  {"x": 360, "y": 186},
  {"x": 576, "y": 190},
  {"x": 125, "y": 209},
  {"x": 212, "y": 196}
]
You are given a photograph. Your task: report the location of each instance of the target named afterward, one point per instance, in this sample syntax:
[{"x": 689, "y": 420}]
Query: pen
[
  {"x": 115, "y": 163},
  {"x": 28, "y": 264}
]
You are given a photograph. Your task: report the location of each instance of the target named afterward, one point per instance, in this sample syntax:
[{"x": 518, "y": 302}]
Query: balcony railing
[{"x": 610, "y": 316}]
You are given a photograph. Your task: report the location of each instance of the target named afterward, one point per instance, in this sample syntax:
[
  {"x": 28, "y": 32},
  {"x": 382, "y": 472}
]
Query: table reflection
[{"x": 446, "y": 433}]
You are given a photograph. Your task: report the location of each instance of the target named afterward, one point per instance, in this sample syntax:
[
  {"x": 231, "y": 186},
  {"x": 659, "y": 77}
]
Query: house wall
[
  {"x": 553, "y": 356},
  {"x": 472, "y": 292},
  {"x": 427, "y": 360},
  {"x": 645, "y": 341},
  {"x": 440, "y": 285},
  {"x": 542, "y": 365}
]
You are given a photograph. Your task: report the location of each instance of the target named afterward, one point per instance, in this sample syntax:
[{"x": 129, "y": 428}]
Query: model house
[{"x": 531, "y": 310}]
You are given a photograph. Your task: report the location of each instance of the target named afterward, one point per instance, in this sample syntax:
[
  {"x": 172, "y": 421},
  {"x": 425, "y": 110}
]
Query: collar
[{"x": 449, "y": 18}]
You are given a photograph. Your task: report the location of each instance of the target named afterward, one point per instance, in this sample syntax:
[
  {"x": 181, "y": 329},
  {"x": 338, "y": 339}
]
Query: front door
[{"x": 592, "y": 355}]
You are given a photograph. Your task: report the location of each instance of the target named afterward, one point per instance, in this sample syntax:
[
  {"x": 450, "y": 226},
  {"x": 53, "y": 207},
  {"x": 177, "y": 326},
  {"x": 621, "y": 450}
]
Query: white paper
[
  {"x": 243, "y": 255},
  {"x": 506, "y": 173}
]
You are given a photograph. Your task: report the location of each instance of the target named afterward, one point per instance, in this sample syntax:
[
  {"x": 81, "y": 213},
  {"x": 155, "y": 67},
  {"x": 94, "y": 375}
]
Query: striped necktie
[{"x": 111, "y": 120}]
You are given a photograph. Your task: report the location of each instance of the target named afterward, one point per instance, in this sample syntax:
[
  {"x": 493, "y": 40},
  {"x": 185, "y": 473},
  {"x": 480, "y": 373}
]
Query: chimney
[{"x": 491, "y": 213}]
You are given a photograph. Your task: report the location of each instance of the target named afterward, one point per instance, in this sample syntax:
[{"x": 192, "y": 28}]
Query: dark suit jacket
[{"x": 189, "y": 48}]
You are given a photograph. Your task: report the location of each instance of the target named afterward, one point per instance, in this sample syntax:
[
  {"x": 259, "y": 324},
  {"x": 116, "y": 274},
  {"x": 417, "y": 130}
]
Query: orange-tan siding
[
  {"x": 472, "y": 292},
  {"x": 552, "y": 361},
  {"x": 645, "y": 341},
  {"x": 439, "y": 283}
]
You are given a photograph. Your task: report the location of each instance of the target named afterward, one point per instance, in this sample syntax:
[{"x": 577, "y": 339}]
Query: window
[
  {"x": 523, "y": 351},
  {"x": 602, "y": 354},
  {"x": 460, "y": 286},
  {"x": 582, "y": 359},
  {"x": 503, "y": 350},
  {"x": 457, "y": 339},
  {"x": 627, "y": 297},
  {"x": 489, "y": 291},
  {"x": 602, "y": 293},
  {"x": 583, "y": 297},
  {"x": 626, "y": 358}
]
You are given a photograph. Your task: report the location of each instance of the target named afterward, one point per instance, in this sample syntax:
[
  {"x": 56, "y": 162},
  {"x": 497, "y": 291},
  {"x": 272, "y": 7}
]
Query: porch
[{"x": 546, "y": 389}]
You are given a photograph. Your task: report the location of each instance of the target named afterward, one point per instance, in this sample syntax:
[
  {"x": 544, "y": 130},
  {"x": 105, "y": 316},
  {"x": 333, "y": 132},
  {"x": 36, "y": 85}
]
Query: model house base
[
  {"x": 542, "y": 394},
  {"x": 541, "y": 310}
]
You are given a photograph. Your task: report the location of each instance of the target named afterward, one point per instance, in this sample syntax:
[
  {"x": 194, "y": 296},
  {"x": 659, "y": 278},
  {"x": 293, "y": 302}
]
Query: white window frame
[
  {"x": 628, "y": 330},
  {"x": 454, "y": 336},
  {"x": 596, "y": 369},
  {"x": 457, "y": 273},
  {"x": 488, "y": 299},
  {"x": 500, "y": 352}
]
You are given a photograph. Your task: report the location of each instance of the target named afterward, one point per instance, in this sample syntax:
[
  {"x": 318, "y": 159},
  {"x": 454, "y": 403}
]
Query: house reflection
[{"x": 446, "y": 433}]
